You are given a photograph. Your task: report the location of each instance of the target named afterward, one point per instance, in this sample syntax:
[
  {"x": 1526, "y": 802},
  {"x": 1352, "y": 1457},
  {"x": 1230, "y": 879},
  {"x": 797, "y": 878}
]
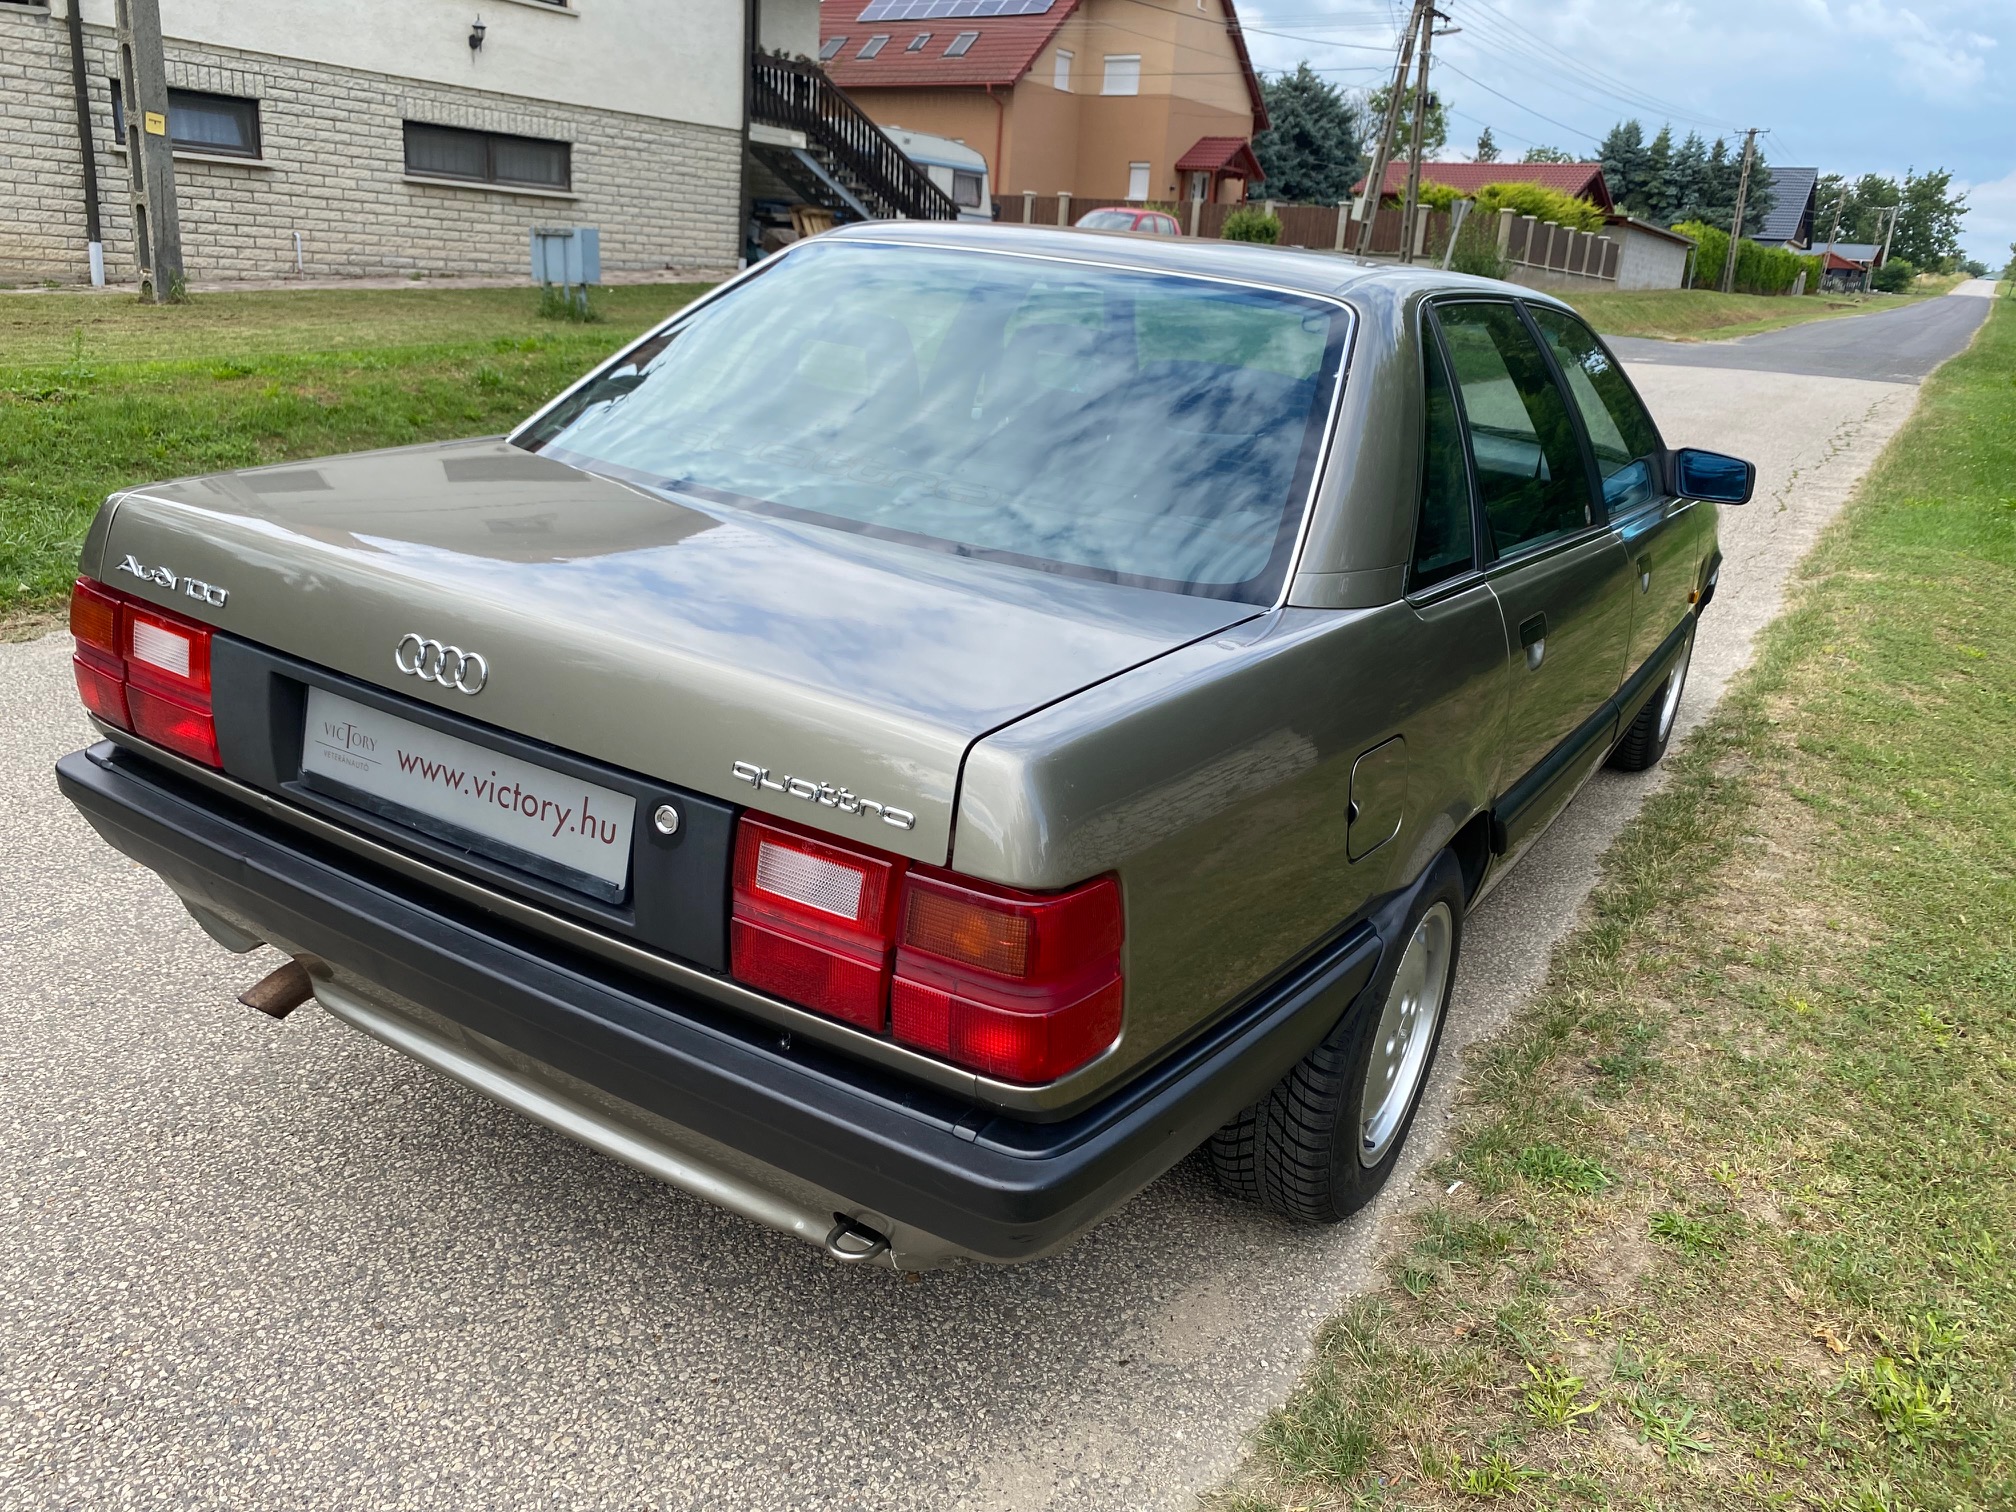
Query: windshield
[
  {"x": 1107, "y": 220},
  {"x": 1136, "y": 427}
]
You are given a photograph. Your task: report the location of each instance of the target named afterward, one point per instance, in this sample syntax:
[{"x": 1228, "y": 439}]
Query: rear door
[
  {"x": 1657, "y": 529},
  {"x": 1559, "y": 571}
]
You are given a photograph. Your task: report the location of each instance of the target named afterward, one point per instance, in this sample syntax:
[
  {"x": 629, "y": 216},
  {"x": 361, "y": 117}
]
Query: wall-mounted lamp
[{"x": 476, "y": 36}]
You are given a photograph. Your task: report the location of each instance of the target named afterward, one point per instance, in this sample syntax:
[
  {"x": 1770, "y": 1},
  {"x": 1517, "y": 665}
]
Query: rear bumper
[{"x": 606, "y": 1055}]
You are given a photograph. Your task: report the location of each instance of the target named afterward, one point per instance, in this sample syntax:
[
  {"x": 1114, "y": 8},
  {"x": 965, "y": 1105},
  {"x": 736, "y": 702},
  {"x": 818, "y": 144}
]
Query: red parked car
[{"x": 1125, "y": 218}]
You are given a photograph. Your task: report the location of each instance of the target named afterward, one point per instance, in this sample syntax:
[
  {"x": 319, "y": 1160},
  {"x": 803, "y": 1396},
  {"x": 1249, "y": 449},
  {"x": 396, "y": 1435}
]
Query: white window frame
[
  {"x": 1060, "y": 72},
  {"x": 1129, "y": 75},
  {"x": 1139, "y": 173}
]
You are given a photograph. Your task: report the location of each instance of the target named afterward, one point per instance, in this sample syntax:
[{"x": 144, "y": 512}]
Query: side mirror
[{"x": 1712, "y": 476}]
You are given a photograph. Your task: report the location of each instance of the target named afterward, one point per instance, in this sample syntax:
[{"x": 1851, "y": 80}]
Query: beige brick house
[
  {"x": 371, "y": 137},
  {"x": 1104, "y": 100}
]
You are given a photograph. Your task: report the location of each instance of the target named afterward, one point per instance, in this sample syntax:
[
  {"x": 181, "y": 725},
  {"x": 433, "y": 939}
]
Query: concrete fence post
[
  {"x": 1505, "y": 220},
  {"x": 1028, "y": 207},
  {"x": 1196, "y": 213},
  {"x": 1420, "y": 230},
  {"x": 1063, "y": 207},
  {"x": 1343, "y": 221}
]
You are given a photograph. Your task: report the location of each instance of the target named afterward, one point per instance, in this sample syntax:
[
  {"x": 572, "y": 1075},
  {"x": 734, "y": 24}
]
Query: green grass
[
  {"x": 99, "y": 393},
  {"x": 1703, "y": 315},
  {"x": 1742, "y": 1180}
]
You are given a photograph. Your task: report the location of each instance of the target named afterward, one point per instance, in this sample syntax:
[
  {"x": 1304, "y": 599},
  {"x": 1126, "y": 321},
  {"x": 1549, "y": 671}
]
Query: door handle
[
  {"x": 1533, "y": 636},
  {"x": 1644, "y": 574}
]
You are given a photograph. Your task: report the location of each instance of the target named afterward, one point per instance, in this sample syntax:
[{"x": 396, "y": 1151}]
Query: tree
[
  {"x": 1928, "y": 225},
  {"x": 1655, "y": 194},
  {"x": 1436, "y": 129},
  {"x": 1311, "y": 151},
  {"x": 1487, "y": 146},
  {"x": 1548, "y": 155},
  {"x": 1622, "y": 155},
  {"x": 1688, "y": 176}
]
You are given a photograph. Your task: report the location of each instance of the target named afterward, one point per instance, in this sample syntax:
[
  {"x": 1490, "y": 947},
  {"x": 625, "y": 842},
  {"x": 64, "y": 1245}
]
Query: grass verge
[
  {"x": 99, "y": 393},
  {"x": 1703, "y": 315},
  {"x": 1737, "y": 1216}
]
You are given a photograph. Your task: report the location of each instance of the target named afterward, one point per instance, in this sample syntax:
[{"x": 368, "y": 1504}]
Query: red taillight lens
[
  {"x": 1016, "y": 985},
  {"x": 144, "y": 669},
  {"x": 1020, "y": 986},
  {"x": 812, "y": 921}
]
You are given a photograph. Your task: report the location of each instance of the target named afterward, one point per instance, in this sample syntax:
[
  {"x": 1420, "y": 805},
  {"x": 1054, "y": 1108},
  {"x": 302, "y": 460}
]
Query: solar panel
[{"x": 932, "y": 10}]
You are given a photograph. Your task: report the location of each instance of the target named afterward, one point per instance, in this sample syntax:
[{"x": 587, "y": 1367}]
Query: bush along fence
[
  {"x": 1759, "y": 270},
  {"x": 1546, "y": 247}
]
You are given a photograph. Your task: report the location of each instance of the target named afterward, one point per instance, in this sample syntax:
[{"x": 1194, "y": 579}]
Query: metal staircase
[{"x": 806, "y": 131}]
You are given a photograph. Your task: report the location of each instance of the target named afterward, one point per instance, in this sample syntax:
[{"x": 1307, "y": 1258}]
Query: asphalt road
[
  {"x": 1892, "y": 346},
  {"x": 249, "y": 1264}
]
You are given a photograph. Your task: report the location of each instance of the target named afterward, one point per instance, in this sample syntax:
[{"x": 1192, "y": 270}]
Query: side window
[
  {"x": 1621, "y": 433},
  {"x": 1443, "y": 537},
  {"x": 1530, "y": 473}
]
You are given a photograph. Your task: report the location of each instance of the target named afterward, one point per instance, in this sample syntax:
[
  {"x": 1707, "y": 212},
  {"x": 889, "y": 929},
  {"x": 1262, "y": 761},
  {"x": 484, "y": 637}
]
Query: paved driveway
[{"x": 248, "y": 1264}]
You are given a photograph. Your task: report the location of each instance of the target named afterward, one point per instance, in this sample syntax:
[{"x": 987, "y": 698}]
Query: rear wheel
[
  {"x": 1645, "y": 742},
  {"x": 1325, "y": 1139}
]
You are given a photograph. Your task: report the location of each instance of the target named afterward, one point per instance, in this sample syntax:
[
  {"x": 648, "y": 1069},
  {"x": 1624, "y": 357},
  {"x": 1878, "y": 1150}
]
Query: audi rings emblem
[{"x": 450, "y": 666}]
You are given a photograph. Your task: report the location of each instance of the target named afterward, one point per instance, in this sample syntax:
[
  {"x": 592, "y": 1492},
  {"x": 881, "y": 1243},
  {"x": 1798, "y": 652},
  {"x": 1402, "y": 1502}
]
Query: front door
[
  {"x": 1560, "y": 572},
  {"x": 1657, "y": 529}
]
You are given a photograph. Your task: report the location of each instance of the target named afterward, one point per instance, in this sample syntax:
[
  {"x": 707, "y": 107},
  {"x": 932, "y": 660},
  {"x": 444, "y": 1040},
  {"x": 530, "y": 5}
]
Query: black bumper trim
[{"x": 998, "y": 1187}]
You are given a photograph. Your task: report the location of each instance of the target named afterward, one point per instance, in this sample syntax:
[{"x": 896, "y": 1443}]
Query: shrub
[
  {"x": 1524, "y": 199},
  {"x": 1894, "y": 277},
  {"x": 1759, "y": 270},
  {"x": 1477, "y": 248},
  {"x": 1250, "y": 225}
]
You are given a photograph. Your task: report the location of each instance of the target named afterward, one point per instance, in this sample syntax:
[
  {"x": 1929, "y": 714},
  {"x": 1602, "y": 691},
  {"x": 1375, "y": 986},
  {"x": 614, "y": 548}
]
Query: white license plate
[{"x": 529, "y": 816}]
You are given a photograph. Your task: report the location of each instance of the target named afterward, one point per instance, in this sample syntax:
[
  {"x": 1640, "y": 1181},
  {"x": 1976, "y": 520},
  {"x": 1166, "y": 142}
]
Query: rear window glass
[
  {"x": 1106, "y": 220},
  {"x": 1136, "y": 427}
]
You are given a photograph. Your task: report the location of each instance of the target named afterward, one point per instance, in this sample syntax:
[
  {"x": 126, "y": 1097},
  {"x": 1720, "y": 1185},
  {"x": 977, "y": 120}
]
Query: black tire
[
  {"x": 1650, "y": 733},
  {"x": 1298, "y": 1150}
]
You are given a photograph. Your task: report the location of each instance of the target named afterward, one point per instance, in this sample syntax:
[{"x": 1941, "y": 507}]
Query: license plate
[{"x": 529, "y": 816}]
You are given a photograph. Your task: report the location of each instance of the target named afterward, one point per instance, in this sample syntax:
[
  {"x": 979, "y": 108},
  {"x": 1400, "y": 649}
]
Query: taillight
[
  {"x": 812, "y": 921},
  {"x": 144, "y": 669},
  {"x": 1020, "y": 986}
]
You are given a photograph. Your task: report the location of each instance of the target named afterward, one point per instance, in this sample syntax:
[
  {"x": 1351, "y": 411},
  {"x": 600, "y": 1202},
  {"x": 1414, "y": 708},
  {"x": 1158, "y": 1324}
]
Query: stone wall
[{"x": 332, "y": 167}]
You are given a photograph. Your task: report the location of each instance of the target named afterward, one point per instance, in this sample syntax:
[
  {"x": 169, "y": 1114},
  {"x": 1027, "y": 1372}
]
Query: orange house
[{"x": 1104, "y": 100}]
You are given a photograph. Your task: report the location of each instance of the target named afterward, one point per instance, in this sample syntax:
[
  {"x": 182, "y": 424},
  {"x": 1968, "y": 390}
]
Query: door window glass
[
  {"x": 1442, "y": 539},
  {"x": 1530, "y": 473},
  {"x": 1621, "y": 433}
]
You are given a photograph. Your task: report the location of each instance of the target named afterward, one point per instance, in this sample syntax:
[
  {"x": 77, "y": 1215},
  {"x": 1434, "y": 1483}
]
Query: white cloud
[
  {"x": 1990, "y": 226},
  {"x": 1940, "y": 62}
]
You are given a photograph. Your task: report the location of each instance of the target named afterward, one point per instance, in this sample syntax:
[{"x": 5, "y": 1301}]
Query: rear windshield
[
  {"x": 1135, "y": 427},
  {"x": 1107, "y": 220}
]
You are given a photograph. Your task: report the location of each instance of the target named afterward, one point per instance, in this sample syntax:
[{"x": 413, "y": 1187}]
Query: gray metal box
[{"x": 566, "y": 255}]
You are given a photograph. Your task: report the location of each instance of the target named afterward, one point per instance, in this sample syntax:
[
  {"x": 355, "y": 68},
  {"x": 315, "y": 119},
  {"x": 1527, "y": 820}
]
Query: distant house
[
  {"x": 1790, "y": 222},
  {"x": 1847, "y": 265},
  {"x": 1104, "y": 100},
  {"x": 1650, "y": 257},
  {"x": 1583, "y": 180}
]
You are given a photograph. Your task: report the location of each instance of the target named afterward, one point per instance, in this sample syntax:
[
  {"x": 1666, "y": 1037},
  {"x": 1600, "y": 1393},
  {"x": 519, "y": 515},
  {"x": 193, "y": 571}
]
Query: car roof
[{"x": 1289, "y": 268}]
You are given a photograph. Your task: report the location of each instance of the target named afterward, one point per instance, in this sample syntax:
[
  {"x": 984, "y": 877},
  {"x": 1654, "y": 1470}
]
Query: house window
[
  {"x": 833, "y": 45},
  {"x": 198, "y": 122},
  {"x": 958, "y": 46},
  {"x": 1137, "y": 179},
  {"x": 1061, "y": 75},
  {"x": 873, "y": 45},
  {"x": 1123, "y": 74},
  {"x": 917, "y": 42},
  {"x": 487, "y": 157}
]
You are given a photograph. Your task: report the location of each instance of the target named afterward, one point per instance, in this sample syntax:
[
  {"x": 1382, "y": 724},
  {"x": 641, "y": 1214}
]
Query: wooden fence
[{"x": 1522, "y": 240}]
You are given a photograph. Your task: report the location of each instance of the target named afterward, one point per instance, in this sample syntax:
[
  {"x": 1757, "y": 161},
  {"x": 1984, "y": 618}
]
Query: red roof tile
[
  {"x": 1005, "y": 50},
  {"x": 1003, "y": 53},
  {"x": 1210, "y": 154},
  {"x": 1584, "y": 180}
]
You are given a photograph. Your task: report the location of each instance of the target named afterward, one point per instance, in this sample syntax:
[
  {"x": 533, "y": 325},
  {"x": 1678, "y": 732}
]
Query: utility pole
[
  {"x": 143, "y": 92},
  {"x": 1375, "y": 176},
  {"x": 80, "y": 87},
  {"x": 1412, "y": 203},
  {"x": 1736, "y": 223},
  {"x": 1888, "y": 236},
  {"x": 1832, "y": 232}
]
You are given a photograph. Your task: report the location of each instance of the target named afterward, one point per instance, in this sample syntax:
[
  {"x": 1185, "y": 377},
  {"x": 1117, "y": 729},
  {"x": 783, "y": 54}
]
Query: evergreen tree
[
  {"x": 1311, "y": 151},
  {"x": 1487, "y": 146},
  {"x": 1623, "y": 157},
  {"x": 1656, "y": 196},
  {"x": 1548, "y": 155},
  {"x": 1688, "y": 177}
]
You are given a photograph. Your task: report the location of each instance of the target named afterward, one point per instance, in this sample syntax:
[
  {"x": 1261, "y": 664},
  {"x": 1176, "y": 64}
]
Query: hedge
[
  {"x": 1522, "y": 199},
  {"x": 1759, "y": 270}
]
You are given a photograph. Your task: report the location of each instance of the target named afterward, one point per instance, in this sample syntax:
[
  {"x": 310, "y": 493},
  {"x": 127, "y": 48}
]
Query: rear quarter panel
[{"x": 1216, "y": 783}]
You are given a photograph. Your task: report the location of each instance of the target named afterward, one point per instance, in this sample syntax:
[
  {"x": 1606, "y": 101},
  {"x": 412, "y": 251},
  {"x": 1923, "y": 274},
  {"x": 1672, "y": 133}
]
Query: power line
[
  {"x": 1560, "y": 58},
  {"x": 1509, "y": 54},
  {"x": 1573, "y": 130}
]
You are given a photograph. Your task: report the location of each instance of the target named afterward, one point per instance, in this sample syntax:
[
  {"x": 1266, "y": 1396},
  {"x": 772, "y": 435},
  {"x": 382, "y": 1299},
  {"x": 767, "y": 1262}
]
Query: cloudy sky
[{"x": 1849, "y": 86}]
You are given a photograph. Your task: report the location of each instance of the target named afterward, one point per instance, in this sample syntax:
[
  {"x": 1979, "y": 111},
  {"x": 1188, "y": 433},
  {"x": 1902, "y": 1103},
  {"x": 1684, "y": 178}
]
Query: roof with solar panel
[{"x": 935, "y": 43}]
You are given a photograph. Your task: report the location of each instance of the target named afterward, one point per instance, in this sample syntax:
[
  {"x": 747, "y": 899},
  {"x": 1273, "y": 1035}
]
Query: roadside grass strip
[
  {"x": 99, "y": 393},
  {"x": 1705, "y": 315},
  {"x": 1737, "y": 1216}
]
